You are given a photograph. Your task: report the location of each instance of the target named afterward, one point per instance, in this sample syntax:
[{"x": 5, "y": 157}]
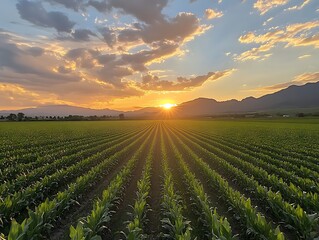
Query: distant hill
[
  {"x": 293, "y": 97},
  {"x": 62, "y": 110}
]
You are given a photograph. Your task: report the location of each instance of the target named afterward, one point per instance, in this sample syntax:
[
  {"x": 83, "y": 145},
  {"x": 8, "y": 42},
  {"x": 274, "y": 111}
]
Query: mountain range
[{"x": 293, "y": 97}]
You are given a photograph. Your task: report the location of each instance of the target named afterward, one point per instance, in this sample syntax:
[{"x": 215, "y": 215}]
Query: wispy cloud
[
  {"x": 298, "y": 80},
  {"x": 299, "y": 7},
  {"x": 211, "y": 14},
  {"x": 304, "y": 56},
  {"x": 154, "y": 83},
  {"x": 264, "y": 6},
  {"x": 294, "y": 35},
  {"x": 267, "y": 21}
]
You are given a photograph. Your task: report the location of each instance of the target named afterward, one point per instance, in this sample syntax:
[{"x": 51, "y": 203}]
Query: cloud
[
  {"x": 82, "y": 57},
  {"x": 78, "y": 35},
  {"x": 80, "y": 72},
  {"x": 148, "y": 11},
  {"x": 211, "y": 14},
  {"x": 82, "y": 34},
  {"x": 138, "y": 60},
  {"x": 35, "y": 51},
  {"x": 180, "y": 29},
  {"x": 36, "y": 14},
  {"x": 107, "y": 68},
  {"x": 153, "y": 26},
  {"x": 304, "y": 56},
  {"x": 17, "y": 96},
  {"x": 267, "y": 21},
  {"x": 109, "y": 36},
  {"x": 29, "y": 66},
  {"x": 306, "y": 41},
  {"x": 183, "y": 27},
  {"x": 296, "y": 7},
  {"x": 298, "y": 80},
  {"x": 294, "y": 35},
  {"x": 64, "y": 69},
  {"x": 264, "y": 6},
  {"x": 76, "y": 5},
  {"x": 151, "y": 82}
]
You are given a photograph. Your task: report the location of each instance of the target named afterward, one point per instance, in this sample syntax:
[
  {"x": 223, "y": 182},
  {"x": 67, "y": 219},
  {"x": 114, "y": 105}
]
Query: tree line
[{"x": 22, "y": 117}]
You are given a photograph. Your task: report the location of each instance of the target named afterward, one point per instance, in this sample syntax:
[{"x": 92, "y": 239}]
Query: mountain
[
  {"x": 293, "y": 98},
  {"x": 62, "y": 110}
]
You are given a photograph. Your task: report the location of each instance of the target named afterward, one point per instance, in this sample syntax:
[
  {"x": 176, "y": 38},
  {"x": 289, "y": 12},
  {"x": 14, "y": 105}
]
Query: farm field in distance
[{"x": 161, "y": 179}]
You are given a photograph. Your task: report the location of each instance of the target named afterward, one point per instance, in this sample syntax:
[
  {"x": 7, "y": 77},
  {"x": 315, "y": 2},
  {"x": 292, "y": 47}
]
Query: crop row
[
  {"x": 252, "y": 220},
  {"x": 26, "y": 154},
  {"x": 14, "y": 204},
  {"x": 91, "y": 227},
  {"x": 301, "y": 166},
  {"x": 50, "y": 162},
  {"x": 61, "y": 165},
  {"x": 275, "y": 152},
  {"x": 215, "y": 226},
  {"x": 136, "y": 226},
  {"x": 174, "y": 224},
  {"x": 40, "y": 221},
  {"x": 255, "y": 167},
  {"x": 281, "y": 162},
  {"x": 303, "y": 224}
]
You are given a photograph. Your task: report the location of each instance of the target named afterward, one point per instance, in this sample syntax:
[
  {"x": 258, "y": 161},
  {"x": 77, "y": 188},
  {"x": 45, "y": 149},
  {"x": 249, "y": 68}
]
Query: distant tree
[
  {"x": 2, "y": 117},
  {"x": 121, "y": 116},
  {"x": 300, "y": 114},
  {"x": 12, "y": 117},
  {"x": 20, "y": 116}
]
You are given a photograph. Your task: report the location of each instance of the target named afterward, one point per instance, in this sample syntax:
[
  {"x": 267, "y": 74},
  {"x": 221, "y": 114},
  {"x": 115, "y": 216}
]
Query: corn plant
[
  {"x": 92, "y": 225},
  {"x": 174, "y": 224},
  {"x": 13, "y": 204},
  {"x": 140, "y": 208},
  {"x": 309, "y": 201},
  {"x": 44, "y": 215},
  {"x": 304, "y": 225},
  {"x": 216, "y": 227},
  {"x": 255, "y": 223}
]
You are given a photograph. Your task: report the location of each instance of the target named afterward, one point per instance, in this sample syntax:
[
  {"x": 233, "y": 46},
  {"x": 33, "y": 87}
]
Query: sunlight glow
[{"x": 168, "y": 106}]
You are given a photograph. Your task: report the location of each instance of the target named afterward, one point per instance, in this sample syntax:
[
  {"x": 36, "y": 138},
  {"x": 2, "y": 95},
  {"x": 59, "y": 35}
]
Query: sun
[{"x": 168, "y": 106}]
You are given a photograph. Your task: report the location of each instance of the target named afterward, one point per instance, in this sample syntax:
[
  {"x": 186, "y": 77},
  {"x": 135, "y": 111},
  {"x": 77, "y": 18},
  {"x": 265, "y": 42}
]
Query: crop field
[{"x": 173, "y": 179}]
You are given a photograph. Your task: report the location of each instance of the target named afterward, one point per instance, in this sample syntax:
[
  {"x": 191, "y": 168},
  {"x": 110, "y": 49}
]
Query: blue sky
[{"x": 125, "y": 54}]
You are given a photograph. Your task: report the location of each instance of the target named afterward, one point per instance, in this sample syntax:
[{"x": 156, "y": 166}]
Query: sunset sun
[{"x": 168, "y": 106}]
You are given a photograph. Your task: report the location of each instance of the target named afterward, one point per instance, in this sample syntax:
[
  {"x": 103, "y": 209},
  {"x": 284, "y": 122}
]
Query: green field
[{"x": 174, "y": 179}]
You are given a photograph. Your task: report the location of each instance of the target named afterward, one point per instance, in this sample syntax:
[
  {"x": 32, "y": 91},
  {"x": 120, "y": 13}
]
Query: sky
[{"x": 129, "y": 54}]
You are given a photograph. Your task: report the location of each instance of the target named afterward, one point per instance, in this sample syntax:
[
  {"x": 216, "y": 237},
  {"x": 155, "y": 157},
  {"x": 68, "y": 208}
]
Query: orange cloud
[
  {"x": 304, "y": 56},
  {"x": 14, "y": 96},
  {"x": 298, "y": 80},
  {"x": 211, "y": 14},
  {"x": 154, "y": 83},
  {"x": 294, "y": 35},
  {"x": 296, "y": 7},
  {"x": 264, "y": 6}
]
